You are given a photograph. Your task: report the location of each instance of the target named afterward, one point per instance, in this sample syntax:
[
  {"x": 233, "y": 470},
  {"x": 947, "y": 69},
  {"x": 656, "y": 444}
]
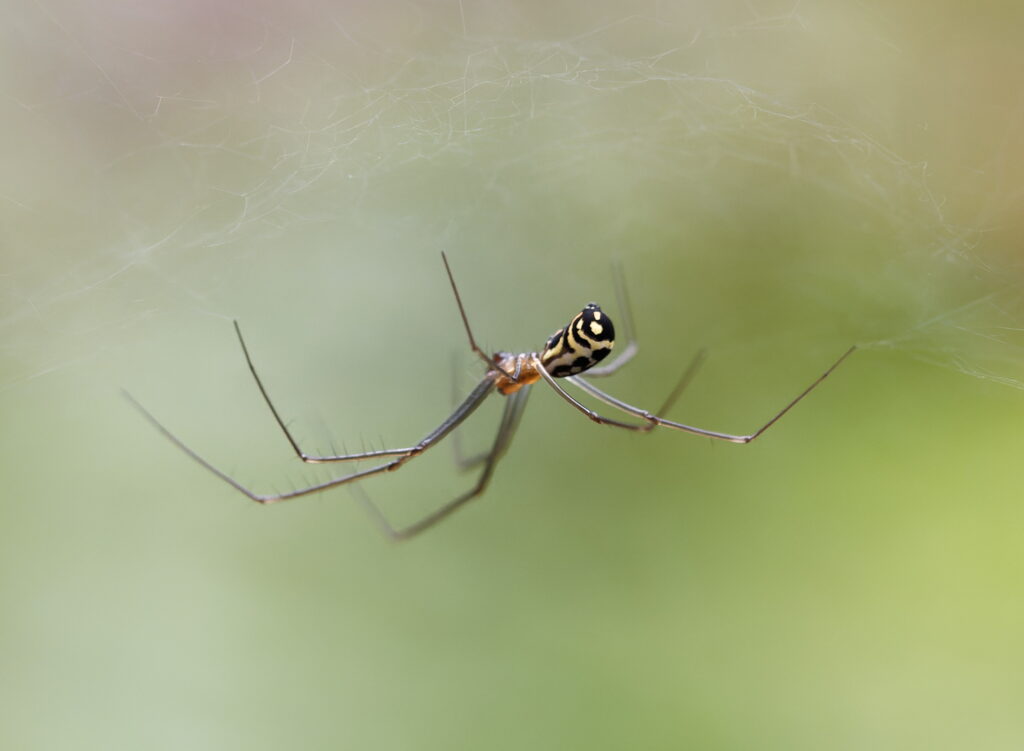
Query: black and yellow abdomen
[{"x": 582, "y": 344}]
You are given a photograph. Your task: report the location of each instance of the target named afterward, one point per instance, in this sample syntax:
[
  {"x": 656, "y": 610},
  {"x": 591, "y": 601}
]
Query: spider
[{"x": 576, "y": 348}]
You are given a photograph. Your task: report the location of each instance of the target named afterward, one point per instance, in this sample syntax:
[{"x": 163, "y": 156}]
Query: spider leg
[
  {"x": 733, "y": 438},
  {"x": 308, "y": 458},
  {"x": 629, "y": 351},
  {"x": 465, "y": 322},
  {"x": 506, "y": 429},
  {"x": 474, "y": 400},
  {"x": 600, "y": 419},
  {"x": 462, "y": 462},
  {"x": 677, "y": 390}
]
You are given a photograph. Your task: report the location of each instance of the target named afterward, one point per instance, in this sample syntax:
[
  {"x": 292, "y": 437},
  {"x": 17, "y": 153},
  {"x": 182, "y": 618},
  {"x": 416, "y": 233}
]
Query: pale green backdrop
[{"x": 778, "y": 180}]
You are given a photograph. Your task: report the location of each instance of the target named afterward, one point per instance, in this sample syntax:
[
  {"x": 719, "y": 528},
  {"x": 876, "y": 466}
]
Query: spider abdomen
[{"x": 582, "y": 344}]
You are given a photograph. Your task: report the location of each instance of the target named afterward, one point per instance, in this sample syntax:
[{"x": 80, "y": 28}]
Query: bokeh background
[{"x": 779, "y": 180}]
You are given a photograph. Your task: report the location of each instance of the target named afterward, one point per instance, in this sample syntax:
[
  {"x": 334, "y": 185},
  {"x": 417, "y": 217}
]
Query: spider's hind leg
[
  {"x": 510, "y": 418},
  {"x": 462, "y": 462}
]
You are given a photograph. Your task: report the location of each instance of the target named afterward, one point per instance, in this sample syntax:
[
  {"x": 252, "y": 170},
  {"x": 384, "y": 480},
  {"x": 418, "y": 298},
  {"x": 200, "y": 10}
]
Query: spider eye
[{"x": 584, "y": 342}]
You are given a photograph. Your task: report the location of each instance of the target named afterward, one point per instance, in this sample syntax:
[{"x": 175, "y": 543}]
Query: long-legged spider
[{"x": 584, "y": 342}]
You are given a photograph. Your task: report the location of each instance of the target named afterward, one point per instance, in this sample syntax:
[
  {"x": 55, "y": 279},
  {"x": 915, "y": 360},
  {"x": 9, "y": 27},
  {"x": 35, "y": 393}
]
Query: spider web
[{"x": 161, "y": 156}]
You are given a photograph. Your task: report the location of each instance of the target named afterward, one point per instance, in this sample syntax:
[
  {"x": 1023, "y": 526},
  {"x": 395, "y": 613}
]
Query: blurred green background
[{"x": 779, "y": 180}]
